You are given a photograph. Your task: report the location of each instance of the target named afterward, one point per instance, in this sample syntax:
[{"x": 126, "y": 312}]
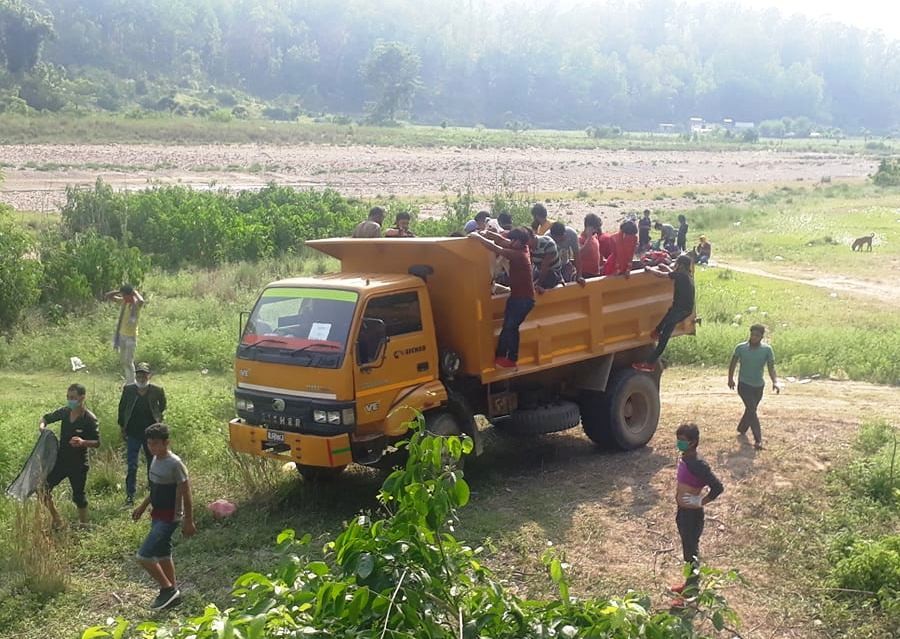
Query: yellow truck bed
[{"x": 568, "y": 324}]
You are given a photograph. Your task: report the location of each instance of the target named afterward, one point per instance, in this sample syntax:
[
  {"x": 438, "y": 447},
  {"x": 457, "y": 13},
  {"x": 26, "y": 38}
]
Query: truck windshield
[{"x": 305, "y": 326}]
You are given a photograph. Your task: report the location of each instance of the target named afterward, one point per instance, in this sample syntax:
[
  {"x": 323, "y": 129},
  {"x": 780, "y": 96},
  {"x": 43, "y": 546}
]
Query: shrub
[
  {"x": 85, "y": 266},
  {"x": 750, "y": 135},
  {"x": 19, "y": 272},
  {"x": 872, "y": 567},
  {"x": 888, "y": 173},
  {"x": 603, "y": 132}
]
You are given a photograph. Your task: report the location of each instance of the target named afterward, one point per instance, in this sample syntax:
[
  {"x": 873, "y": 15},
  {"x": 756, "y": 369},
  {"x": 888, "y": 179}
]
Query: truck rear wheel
[
  {"x": 549, "y": 418},
  {"x": 595, "y": 418},
  {"x": 319, "y": 473},
  {"x": 632, "y": 407}
]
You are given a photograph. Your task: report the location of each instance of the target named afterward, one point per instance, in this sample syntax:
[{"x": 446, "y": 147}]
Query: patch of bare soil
[
  {"x": 613, "y": 514},
  {"x": 384, "y": 171}
]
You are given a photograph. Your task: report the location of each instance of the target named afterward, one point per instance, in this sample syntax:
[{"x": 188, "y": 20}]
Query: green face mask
[{"x": 682, "y": 445}]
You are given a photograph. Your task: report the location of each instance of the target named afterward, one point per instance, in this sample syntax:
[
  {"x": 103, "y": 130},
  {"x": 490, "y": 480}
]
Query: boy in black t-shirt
[
  {"x": 682, "y": 307},
  {"x": 77, "y": 433}
]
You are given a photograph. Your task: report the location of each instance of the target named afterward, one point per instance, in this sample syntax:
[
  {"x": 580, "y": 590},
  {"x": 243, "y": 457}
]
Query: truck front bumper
[{"x": 308, "y": 450}]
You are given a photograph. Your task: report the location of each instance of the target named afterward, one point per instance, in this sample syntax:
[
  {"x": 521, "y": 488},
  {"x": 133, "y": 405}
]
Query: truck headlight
[
  {"x": 244, "y": 404},
  {"x": 320, "y": 417},
  {"x": 334, "y": 417}
]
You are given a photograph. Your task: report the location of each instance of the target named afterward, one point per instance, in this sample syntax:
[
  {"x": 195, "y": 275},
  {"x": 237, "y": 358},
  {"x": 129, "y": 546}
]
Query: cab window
[{"x": 400, "y": 313}]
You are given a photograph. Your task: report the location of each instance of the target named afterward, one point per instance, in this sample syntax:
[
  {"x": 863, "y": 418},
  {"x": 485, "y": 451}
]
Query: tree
[
  {"x": 20, "y": 271},
  {"x": 22, "y": 34},
  {"x": 392, "y": 71}
]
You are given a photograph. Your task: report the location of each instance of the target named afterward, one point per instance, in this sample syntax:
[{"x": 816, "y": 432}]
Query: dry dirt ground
[
  {"x": 383, "y": 171},
  {"x": 613, "y": 514}
]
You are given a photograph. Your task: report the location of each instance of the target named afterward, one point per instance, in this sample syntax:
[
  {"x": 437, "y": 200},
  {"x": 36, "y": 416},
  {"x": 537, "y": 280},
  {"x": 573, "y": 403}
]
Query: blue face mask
[
  {"x": 72, "y": 403},
  {"x": 682, "y": 445}
]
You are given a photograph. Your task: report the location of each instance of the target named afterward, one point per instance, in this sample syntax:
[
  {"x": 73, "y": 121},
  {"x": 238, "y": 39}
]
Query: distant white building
[
  {"x": 696, "y": 124},
  {"x": 666, "y": 127},
  {"x": 743, "y": 126}
]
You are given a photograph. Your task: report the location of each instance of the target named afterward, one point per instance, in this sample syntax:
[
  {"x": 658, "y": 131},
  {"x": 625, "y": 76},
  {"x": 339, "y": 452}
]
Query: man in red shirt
[
  {"x": 590, "y": 255},
  {"x": 514, "y": 247},
  {"x": 624, "y": 242}
]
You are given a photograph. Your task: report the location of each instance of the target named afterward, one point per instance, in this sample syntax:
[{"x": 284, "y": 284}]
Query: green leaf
[
  {"x": 318, "y": 568},
  {"x": 556, "y": 572},
  {"x": 93, "y": 633},
  {"x": 461, "y": 492},
  {"x": 285, "y": 536},
  {"x": 365, "y": 564},
  {"x": 717, "y": 620}
]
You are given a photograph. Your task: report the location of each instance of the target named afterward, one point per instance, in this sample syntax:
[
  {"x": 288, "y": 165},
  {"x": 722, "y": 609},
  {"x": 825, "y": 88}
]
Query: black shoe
[
  {"x": 129, "y": 501},
  {"x": 166, "y": 598}
]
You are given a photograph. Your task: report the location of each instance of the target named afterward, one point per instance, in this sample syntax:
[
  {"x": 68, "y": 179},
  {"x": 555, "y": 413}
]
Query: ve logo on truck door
[{"x": 373, "y": 407}]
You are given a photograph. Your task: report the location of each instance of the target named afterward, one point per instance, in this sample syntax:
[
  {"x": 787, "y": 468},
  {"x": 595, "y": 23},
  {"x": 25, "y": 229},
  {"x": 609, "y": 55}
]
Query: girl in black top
[{"x": 78, "y": 432}]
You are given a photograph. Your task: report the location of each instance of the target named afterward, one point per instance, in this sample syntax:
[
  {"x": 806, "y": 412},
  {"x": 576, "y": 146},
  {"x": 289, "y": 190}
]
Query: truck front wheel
[{"x": 632, "y": 408}]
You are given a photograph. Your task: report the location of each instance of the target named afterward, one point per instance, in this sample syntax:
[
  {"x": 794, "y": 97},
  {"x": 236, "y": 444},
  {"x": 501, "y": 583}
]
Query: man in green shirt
[{"x": 753, "y": 356}]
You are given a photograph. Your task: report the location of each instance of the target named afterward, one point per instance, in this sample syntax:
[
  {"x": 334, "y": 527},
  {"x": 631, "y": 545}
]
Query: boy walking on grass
[
  {"x": 514, "y": 247},
  {"x": 682, "y": 307},
  {"x": 693, "y": 475},
  {"x": 753, "y": 356},
  {"x": 173, "y": 504}
]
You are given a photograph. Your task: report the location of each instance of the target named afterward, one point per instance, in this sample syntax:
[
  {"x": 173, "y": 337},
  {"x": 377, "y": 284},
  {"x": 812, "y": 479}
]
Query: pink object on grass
[{"x": 221, "y": 509}]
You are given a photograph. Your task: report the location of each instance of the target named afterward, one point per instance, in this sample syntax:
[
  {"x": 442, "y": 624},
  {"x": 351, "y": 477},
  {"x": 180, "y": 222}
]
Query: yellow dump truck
[{"x": 329, "y": 369}]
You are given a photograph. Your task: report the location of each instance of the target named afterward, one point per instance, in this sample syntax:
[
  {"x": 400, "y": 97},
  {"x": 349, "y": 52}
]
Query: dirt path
[
  {"x": 613, "y": 516},
  {"x": 885, "y": 290},
  {"x": 36, "y": 175}
]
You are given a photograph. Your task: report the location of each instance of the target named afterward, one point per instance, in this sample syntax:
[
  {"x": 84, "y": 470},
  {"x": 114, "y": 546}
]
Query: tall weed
[{"x": 36, "y": 555}]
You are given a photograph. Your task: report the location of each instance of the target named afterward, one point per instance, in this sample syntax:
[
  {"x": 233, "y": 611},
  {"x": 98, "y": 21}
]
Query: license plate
[{"x": 275, "y": 436}]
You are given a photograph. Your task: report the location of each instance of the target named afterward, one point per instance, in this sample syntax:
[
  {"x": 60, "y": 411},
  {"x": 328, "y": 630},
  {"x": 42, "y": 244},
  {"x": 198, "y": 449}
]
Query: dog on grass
[{"x": 865, "y": 240}]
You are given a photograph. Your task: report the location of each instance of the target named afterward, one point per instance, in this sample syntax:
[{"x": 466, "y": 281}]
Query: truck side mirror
[{"x": 372, "y": 342}]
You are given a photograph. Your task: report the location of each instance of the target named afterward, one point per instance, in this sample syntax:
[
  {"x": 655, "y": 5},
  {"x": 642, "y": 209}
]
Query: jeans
[
  {"x": 751, "y": 396},
  {"x": 158, "y": 544},
  {"x": 133, "y": 448},
  {"x": 127, "y": 346},
  {"x": 517, "y": 309},
  {"x": 665, "y": 327},
  {"x": 690, "y": 527}
]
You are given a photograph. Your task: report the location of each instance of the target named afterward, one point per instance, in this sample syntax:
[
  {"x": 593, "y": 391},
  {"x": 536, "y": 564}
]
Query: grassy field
[
  {"x": 524, "y": 494},
  {"x": 87, "y": 129}
]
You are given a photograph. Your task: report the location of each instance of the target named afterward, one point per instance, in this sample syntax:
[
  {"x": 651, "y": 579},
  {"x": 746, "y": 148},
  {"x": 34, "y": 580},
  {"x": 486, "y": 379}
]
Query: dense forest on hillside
[{"x": 631, "y": 64}]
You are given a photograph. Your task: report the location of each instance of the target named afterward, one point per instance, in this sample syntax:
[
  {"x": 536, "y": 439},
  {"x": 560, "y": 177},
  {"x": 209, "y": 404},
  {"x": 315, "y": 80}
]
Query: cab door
[{"x": 407, "y": 359}]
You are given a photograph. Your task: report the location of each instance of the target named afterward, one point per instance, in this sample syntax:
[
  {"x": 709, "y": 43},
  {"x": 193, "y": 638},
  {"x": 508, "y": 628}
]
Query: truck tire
[
  {"x": 444, "y": 423},
  {"x": 319, "y": 473},
  {"x": 549, "y": 418},
  {"x": 595, "y": 418},
  {"x": 632, "y": 405}
]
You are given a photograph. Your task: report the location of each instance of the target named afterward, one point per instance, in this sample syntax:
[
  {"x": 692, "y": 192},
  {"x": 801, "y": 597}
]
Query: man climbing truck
[{"x": 330, "y": 369}]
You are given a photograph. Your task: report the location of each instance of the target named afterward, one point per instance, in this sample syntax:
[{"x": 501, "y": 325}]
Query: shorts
[
  {"x": 77, "y": 476},
  {"x": 158, "y": 544}
]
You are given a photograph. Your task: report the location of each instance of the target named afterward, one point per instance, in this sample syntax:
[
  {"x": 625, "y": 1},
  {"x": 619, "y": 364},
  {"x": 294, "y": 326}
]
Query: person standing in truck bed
[
  {"x": 514, "y": 248},
  {"x": 623, "y": 244},
  {"x": 371, "y": 227}
]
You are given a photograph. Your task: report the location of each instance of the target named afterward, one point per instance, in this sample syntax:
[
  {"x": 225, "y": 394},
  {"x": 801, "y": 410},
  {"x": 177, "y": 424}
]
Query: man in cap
[{"x": 141, "y": 405}]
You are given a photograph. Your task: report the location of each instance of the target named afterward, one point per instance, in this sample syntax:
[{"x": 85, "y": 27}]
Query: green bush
[
  {"x": 888, "y": 173},
  {"x": 20, "y": 272},
  {"x": 85, "y": 266},
  {"x": 176, "y": 225},
  {"x": 872, "y": 567}
]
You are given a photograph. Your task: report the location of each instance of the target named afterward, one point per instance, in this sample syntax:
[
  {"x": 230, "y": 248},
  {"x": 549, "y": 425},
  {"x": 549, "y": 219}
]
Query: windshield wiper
[
  {"x": 255, "y": 344},
  {"x": 325, "y": 344}
]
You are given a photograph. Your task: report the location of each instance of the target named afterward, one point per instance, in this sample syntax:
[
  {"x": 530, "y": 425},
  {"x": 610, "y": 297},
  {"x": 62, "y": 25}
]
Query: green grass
[
  {"x": 807, "y": 228},
  {"x": 811, "y": 331},
  {"x": 95, "y": 129}
]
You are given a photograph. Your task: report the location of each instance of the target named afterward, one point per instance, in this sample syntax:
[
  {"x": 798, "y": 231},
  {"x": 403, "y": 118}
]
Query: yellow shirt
[
  {"x": 128, "y": 325},
  {"x": 543, "y": 228}
]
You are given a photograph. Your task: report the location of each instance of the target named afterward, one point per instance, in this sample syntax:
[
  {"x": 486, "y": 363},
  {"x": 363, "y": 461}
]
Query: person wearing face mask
[
  {"x": 693, "y": 475},
  {"x": 125, "y": 338},
  {"x": 79, "y": 430},
  {"x": 141, "y": 405}
]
